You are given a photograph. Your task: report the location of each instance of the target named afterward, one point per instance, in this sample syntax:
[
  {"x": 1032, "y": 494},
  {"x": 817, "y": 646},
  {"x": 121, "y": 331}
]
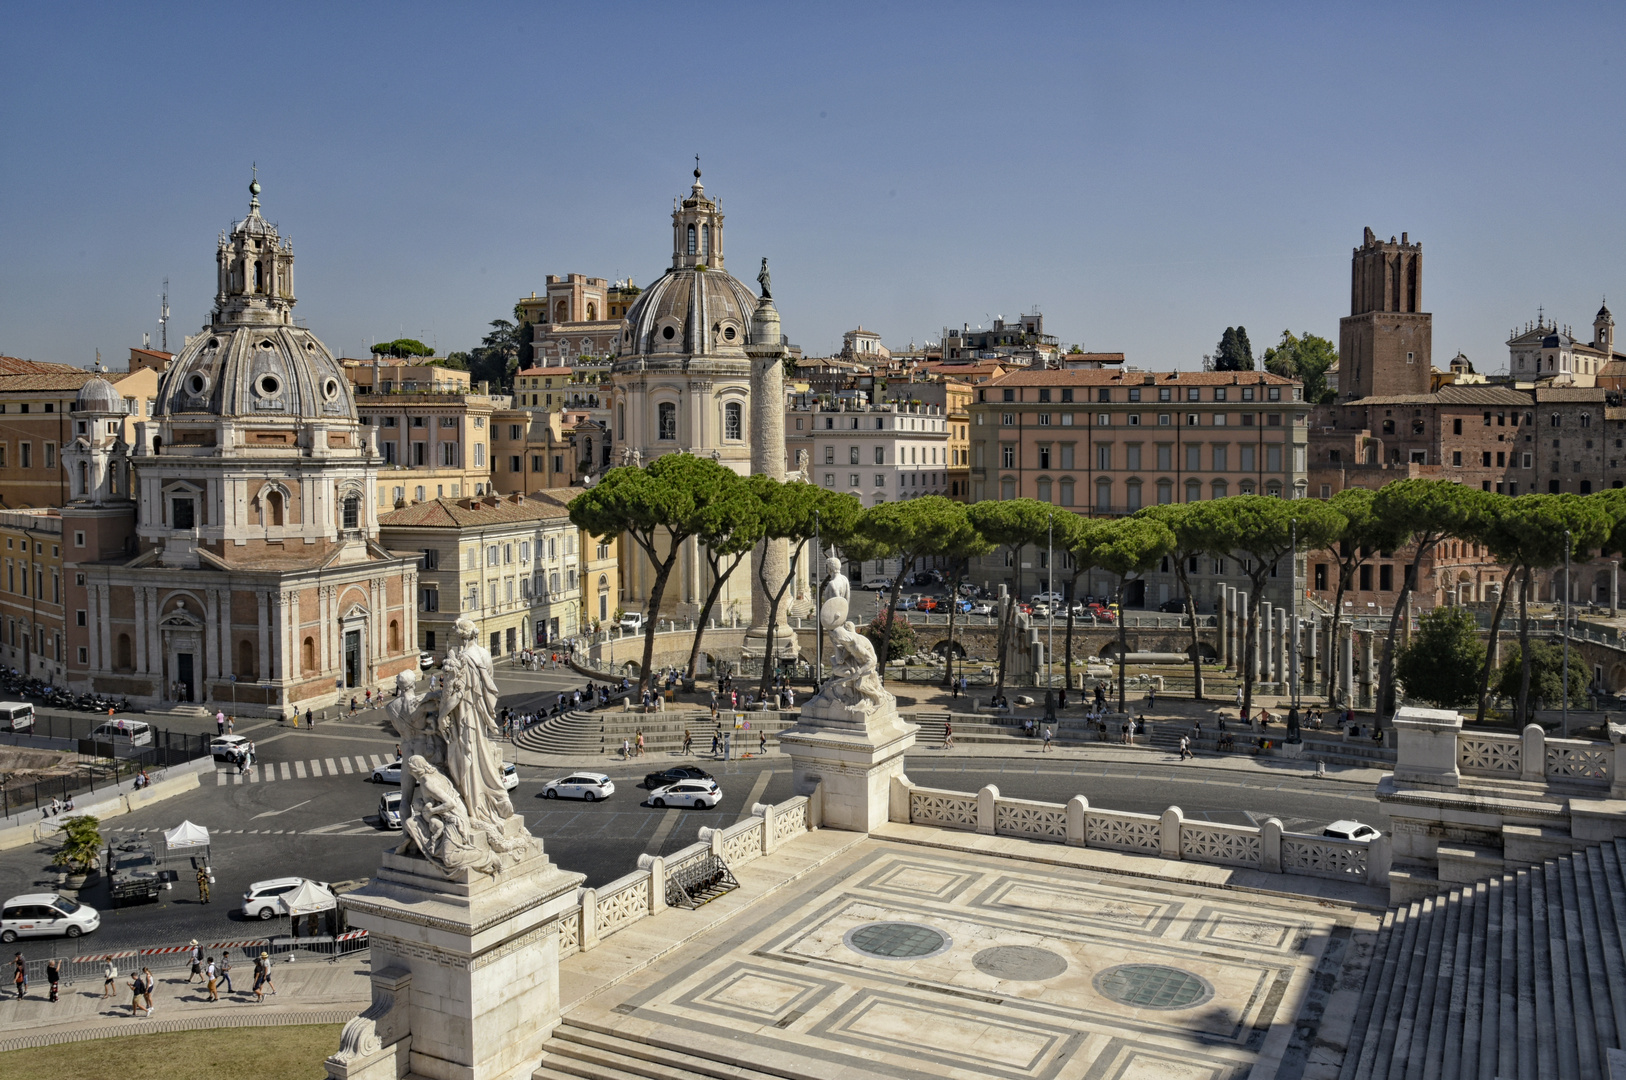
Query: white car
[
  {"x": 632, "y": 622},
  {"x": 426, "y": 660},
  {"x": 1048, "y": 598},
  {"x": 981, "y": 607},
  {"x": 510, "y": 776},
  {"x": 590, "y": 786},
  {"x": 227, "y": 747},
  {"x": 387, "y": 774},
  {"x": 700, "y": 794},
  {"x": 264, "y": 898},
  {"x": 389, "y": 809},
  {"x": 45, "y": 915},
  {"x": 878, "y": 584},
  {"x": 1041, "y": 609},
  {"x": 1351, "y": 830}
]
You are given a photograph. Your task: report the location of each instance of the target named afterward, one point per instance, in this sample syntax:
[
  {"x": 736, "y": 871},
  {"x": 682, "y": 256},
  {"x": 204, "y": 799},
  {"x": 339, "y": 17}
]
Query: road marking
[
  {"x": 756, "y": 794},
  {"x": 378, "y": 762},
  {"x": 285, "y": 774},
  {"x": 331, "y": 828},
  {"x": 668, "y": 823},
  {"x": 274, "y": 813},
  {"x": 361, "y": 763},
  {"x": 220, "y": 778},
  {"x": 346, "y": 763},
  {"x": 299, "y": 770},
  {"x": 331, "y": 771},
  {"x": 268, "y": 774}
]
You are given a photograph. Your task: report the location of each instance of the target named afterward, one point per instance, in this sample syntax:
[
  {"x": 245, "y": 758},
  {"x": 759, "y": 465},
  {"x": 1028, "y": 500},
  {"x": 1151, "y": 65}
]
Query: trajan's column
[{"x": 771, "y": 561}]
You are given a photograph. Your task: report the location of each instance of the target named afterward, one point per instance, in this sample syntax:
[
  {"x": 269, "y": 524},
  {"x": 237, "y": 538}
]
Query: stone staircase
[
  {"x": 589, "y": 734},
  {"x": 1332, "y": 748},
  {"x": 1519, "y": 975},
  {"x": 578, "y": 1050}
]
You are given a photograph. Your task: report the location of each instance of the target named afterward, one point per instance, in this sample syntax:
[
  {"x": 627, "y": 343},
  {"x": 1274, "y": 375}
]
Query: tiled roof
[
  {"x": 473, "y": 512},
  {"x": 558, "y": 370},
  {"x": 1451, "y": 395},
  {"x": 13, "y": 365},
  {"x": 1093, "y": 358},
  {"x": 1104, "y": 377},
  {"x": 63, "y": 381},
  {"x": 1569, "y": 393}
]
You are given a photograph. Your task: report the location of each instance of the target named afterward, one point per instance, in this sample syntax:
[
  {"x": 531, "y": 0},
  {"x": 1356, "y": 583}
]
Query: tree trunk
[
  {"x": 1123, "y": 642},
  {"x": 1522, "y": 714},
  {"x": 1386, "y": 668},
  {"x": 1490, "y": 649},
  {"x": 663, "y": 570},
  {"x": 718, "y": 581},
  {"x": 1345, "y": 573},
  {"x": 1254, "y": 594},
  {"x": 777, "y": 596},
  {"x": 1191, "y": 613},
  {"x": 905, "y": 564}
]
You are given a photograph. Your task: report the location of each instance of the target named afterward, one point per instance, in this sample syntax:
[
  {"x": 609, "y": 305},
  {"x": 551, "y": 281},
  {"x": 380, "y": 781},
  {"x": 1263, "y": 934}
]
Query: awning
[
  {"x": 309, "y": 897},
  {"x": 186, "y": 835}
]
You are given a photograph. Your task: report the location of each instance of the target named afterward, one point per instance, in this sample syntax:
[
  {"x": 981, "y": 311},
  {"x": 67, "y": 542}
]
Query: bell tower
[
  {"x": 255, "y": 271},
  {"x": 697, "y": 230},
  {"x": 1384, "y": 344},
  {"x": 1603, "y": 333}
]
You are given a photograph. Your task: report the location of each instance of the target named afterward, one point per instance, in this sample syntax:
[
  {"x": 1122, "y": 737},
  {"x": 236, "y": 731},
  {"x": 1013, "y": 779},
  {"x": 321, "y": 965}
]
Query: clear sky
[{"x": 1146, "y": 174}]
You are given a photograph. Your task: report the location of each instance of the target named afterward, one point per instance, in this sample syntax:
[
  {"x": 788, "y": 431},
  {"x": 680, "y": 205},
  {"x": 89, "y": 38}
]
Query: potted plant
[{"x": 81, "y": 850}]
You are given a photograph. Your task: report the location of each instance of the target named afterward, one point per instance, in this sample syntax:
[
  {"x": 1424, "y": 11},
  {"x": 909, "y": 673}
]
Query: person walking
[
  {"x": 954, "y": 688},
  {"x": 259, "y": 979},
  {"x": 688, "y": 741},
  {"x": 1046, "y": 748},
  {"x": 210, "y": 979},
  {"x": 1185, "y": 747},
  {"x": 270, "y": 984},
  {"x": 53, "y": 974},
  {"x": 225, "y": 969},
  {"x": 626, "y": 749},
  {"x": 1239, "y": 697},
  {"x": 135, "y": 993},
  {"x": 716, "y": 736},
  {"x": 197, "y": 962},
  {"x": 948, "y": 734},
  {"x": 762, "y": 742},
  {"x": 203, "y": 886},
  {"x": 220, "y": 722},
  {"x": 640, "y": 734},
  {"x": 147, "y": 982},
  {"x": 110, "y": 978},
  {"x": 310, "y": 718}
]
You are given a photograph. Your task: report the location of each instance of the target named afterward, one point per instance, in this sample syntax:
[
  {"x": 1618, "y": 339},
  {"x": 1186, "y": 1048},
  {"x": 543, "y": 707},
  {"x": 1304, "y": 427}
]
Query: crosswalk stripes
[
  {"x": 285, "y": 774},
  {"x": 299, "y": 769},
  {"x": 314, "y": 767},
  {"x": 331, "y": 771},
  {"x": 361, "y": 763},
  {"x": 378, "y": 762}
]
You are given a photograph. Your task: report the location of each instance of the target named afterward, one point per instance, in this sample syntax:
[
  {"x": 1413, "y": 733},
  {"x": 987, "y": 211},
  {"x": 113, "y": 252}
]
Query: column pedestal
[
  {"x": 852, "y": 755},
  {"x": 465, "y": 972}
]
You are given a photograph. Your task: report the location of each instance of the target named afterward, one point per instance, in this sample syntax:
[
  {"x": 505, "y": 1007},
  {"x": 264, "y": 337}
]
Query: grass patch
[{"x": 287, "y": 1053}]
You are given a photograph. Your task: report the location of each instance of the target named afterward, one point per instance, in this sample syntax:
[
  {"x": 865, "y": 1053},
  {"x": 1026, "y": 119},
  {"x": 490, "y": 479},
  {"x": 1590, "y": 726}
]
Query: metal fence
[
  {"x": 78, "y": 961},
  {"x": 98, "y": 764}
]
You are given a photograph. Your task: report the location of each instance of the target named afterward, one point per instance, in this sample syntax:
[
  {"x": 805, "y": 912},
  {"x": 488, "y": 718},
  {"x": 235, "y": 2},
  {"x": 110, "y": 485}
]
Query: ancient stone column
[
  {"x": 1614, "y": 587},
  {"x": 1267, "y": 661},
  {"x": 1255, "y": 640},
  {"x": 1368, "y": 674},
  {"x": 1221, "y": 614},
  {"x": 770, "y": 561}
]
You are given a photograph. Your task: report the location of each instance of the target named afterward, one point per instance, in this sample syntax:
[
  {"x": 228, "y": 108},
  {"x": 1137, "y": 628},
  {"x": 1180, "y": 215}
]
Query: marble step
[
  {"x": 1465, "y": 864},
  {"x": 586, "y": 1049}
]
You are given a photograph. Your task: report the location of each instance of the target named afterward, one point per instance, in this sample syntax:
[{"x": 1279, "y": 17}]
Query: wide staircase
[
  {"x": 585, "y": 734},
  {"x": 1323, "y": 745},
  {"x": 582, "y": 1050},
  {"x": 1520, "y": 976}
]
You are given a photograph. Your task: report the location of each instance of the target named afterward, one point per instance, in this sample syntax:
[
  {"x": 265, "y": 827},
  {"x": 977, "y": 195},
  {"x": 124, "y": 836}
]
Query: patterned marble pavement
[{"x": 898, "y": 961}]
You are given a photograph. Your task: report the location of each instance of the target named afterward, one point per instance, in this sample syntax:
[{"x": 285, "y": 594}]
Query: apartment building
[
  {"x": 512, "y": 564},
  {"x": 952, "y": 398},
  {"x": 434, "y": 445},
  {"x": 389, "y": 375},
  {"x": 1105, "y": 442},
  {"x": 880, "y": 453},
  {"x": 31, "y": 593},
  {"x": 538, "y": 449},
  {"x": 35, "y": 399}
]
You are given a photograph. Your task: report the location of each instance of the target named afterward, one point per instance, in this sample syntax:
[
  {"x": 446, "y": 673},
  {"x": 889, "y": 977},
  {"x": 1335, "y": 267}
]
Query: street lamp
[
  {"x": 818, "y": 595},
  {"x": 1293, "y": 611},
  {"x": 1050, "y": 590},
  {"x": 1566, "y": 633}
]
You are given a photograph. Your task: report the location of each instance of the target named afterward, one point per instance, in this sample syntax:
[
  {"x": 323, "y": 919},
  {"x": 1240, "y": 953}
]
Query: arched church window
[
  {"x": 668, "y": 421},
  {"x": 731, "y": 420},
  {"x": 691, "y": 241},
  {"x": 352, "y": 512},
  {"x": 259, "y": 277},
  {"x": 592, "y": 311},
  {"x": 705, "y": 239},
  {"x": 395, "y": 636},
  {"x": 273, "y": 508}
]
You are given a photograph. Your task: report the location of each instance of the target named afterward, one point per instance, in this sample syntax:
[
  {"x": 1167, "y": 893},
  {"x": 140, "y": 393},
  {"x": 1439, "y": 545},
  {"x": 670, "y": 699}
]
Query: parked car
[
  {"x": 389, "y": 809},
  {"x": 227, "y": 747},
  {"x": 510, "y": 776},
  {"x": 927, "y": 603},
  {"x": 1344, "y": 829},
  {"x": 632, "y": 622},
  {"x": 1173, "y": 605},
  {"x": 700, "y": 794},
  {"x": 16, "y": 716},
  {"x": 426, "y": 660},
  {"x": 584, "y": 785},
  {"x": 906, "y": 603},
  {"x": 264, "y": 899},
  {"x": 877, "y": 584},
  {"x": 1041, "y": 609},
  {"x": 1101, "y": 614},
  {"x": 981, "y": 607},
  {"x": 970, "y": 588},
  {"x": 668, "y": 777},
  {"x": 1049, "y": 598},
  {"x": 387, "y": 774},
  {"x": 45, "y": 915}
]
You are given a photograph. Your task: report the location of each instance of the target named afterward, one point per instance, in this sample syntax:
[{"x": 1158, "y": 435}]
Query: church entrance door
[
  {"x": 352, "y": 657},
  {"x": 183, "y": 675}
]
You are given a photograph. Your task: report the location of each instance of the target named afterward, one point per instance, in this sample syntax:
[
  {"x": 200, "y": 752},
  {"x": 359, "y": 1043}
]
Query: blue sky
[{"x": 1147, "y": 174}]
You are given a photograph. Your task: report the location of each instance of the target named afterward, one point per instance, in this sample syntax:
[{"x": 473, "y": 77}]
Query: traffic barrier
[{"x": 87, "y": 967}]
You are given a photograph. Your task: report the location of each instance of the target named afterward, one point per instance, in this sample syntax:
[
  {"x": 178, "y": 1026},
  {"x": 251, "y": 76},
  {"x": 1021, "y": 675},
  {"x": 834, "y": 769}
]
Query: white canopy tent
[
  {"x": 186, "y": 835},
  {"x": 308, "y": 898}
]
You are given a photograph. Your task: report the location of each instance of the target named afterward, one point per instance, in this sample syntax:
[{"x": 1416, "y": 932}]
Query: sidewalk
[{"x": 315, "y": 992}]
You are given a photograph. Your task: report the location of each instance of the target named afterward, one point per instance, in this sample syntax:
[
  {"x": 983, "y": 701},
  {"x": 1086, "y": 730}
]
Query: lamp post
[
  {"x": 1293, "y": 611},
  {"x": 1050, "y": 591},
  {"x": 1566, "y": 633},
  {"x": 818, "y": 593}
]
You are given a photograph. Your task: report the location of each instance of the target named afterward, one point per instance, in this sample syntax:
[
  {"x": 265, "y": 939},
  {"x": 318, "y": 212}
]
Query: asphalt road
[{"x": 317, "y": 820}]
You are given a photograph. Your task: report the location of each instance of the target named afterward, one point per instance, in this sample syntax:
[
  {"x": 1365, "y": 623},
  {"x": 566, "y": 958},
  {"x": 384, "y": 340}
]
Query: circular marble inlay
[
  {"x": 1020, "y": 963},
  {"x": 897, "y": 940},
  {"x": 1153, "y": 986}
]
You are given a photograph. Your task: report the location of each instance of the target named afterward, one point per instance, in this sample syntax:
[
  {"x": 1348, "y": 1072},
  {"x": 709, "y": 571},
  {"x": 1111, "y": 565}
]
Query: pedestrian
[
  {"x": 1239, "y": 697},
  {"x": 147, "y": 982},
  {"x": 954, "y": 688},
  {"x": 1046, "y": 747},
  {"x": 231, "y": 725},
  {"x": 52, "y": 975},
  {"x": 762, "y": 742},
  {"x": 948, "y": 734},
  {"x": 210, "y": 977},
  {"x": 640, "y": 734},
  {"x": 269, "y": 984},
  {"x": 197, "y": 963},
  {"x": 136, "y": 987},
  {"x": 310, "y": 718},
  {"x": 1185, "y": 747},
  {"x": 688, "y": 741},
  {"x": 1151, "y": 698},
  {"x": 225, "y": 969},
  {"x": 110, "y": 978},
  {"x": 20, "y": 975},
  {"x": 203, "y": 886},
  {"x": 220, "y": 722},
  {"x": 352, "y": 704},
  {"x": 626, "y": 750},
  {"x": 715, "y": 736}
]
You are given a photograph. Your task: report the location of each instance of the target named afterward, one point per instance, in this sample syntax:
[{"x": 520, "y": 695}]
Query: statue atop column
[{"x": 765, "y": 280}]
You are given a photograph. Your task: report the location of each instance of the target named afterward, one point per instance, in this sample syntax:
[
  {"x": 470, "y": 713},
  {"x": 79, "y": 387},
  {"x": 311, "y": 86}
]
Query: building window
[
  {"x": 667, "y": 429},
  {"x": 880, "y": 455},
  {"x": 852, "y": 455},
  {"x": 78, "y": 538},
  {"x": 1066, "y": 486},
  {"x": 180, "y": 515},
  {"x": 731, "y": 420},
  {"x": 1007, "y": 457},
  {"x": 352, "y": 512}
]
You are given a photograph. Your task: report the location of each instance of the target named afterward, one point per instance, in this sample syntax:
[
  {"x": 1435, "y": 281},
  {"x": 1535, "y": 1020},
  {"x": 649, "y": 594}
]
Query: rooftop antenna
[{"x": 163, "y": 317}]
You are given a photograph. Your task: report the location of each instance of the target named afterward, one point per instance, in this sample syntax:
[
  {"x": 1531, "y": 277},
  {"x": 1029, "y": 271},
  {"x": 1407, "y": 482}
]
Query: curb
[{"x": 196, "y": 1023}]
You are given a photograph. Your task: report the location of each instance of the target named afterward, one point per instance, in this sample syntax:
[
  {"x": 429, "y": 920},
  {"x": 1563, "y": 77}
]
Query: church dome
[
  {"x": 99, "y": 395},
  {"x": 251, "y": 361},
  {"x": 697, "y": 308}
]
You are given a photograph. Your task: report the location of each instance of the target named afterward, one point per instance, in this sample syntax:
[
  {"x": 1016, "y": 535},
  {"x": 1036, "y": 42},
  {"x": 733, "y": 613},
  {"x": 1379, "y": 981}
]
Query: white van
[
  {"x": 45, "y": 915},
  {"x": 16, "y": 716},
  {"x": 124, "y": 733}
]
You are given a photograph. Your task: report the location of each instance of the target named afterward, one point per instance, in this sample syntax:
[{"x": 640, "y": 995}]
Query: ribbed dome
[
  {"x": 259, "y": 372},
  {"x": 99, "y": 395},
  {"x": 690, "y": 312}
]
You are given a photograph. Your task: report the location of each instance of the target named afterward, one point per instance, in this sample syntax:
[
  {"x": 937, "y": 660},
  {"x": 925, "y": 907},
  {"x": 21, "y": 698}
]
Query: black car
[
  {"x": 1173, "y": 605},
  {"x": 674, "y": 776}
]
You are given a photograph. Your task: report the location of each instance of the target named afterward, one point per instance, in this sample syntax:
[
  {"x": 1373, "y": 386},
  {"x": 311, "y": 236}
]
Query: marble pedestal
[
  {"x": 465, "y": 972},
  {"x": 853, "y": 756}
]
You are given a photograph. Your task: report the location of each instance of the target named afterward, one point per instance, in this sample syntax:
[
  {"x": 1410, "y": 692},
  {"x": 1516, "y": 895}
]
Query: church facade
[{"x": 231, "y": 553}]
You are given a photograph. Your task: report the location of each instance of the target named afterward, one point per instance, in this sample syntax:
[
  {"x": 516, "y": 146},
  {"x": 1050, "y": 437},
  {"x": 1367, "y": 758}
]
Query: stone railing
[
  {"x": 601, "y": 912},
  {"x": 1266, "y": 848},
  {"x": 1535, "y": 756}
]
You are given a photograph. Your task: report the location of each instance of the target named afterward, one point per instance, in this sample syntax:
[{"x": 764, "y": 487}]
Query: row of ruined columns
[{"x": 1278, "y": 635}]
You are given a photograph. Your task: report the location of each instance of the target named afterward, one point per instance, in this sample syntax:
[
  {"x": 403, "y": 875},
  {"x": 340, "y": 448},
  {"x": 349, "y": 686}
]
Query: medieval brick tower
[{"x": 1384, "y": 344}]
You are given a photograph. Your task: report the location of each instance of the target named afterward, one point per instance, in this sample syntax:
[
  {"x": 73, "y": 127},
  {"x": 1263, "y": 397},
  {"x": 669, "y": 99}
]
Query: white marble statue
[
  {"x": 417, "y": 729},
  {"x": 854, "y": 688},
  {"x": 438, "y": 824}
]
